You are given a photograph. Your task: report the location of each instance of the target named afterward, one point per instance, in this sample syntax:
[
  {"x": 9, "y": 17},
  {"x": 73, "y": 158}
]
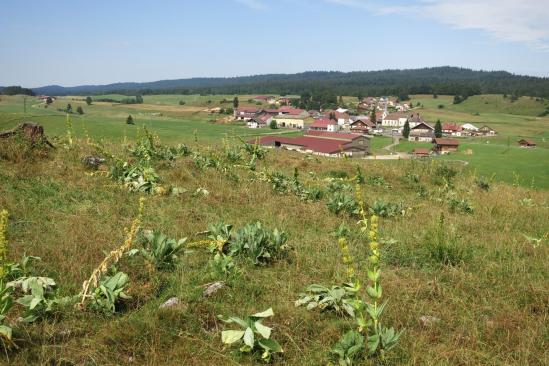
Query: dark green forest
[{"x": 435, "y": 80}]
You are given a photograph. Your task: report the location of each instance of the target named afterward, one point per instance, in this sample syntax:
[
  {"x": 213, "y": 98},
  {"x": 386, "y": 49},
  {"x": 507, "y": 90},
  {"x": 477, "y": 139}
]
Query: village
[{"x": 347, "y": 131}]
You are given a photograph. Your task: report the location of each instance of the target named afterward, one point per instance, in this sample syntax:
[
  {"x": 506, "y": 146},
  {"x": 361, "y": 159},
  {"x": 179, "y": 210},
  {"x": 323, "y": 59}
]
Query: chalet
[
  {"x": 468, "y": 127},
  {"x": 445, "y": 146},
  {"x": 421, "y": 132},
  {"x": 415, "y": 119},
  {"x": 394, "y": 120},
  {"x": 526, "y": 143},
  {"x": 260, "y": 121},
  {"x": 321, "y": 143},
  {"x": 421, "y": 152},
  {"x": 361, "y": 125},
  {"x": 452, "y": 129},
  {"x": 324, "y": 124},
  {"x": 246, "y": 113},
  {"x": 486, "y": 131}
]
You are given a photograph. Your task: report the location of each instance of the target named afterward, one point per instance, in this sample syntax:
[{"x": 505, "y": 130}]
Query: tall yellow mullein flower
[{"x": 3, "y": 240}]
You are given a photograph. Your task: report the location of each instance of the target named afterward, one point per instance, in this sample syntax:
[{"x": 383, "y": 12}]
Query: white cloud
[
  {"x": 523, "y": 21},
  {"x": 254, "y": 4}
]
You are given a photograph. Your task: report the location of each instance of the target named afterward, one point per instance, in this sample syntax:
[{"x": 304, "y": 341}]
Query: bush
[
  {"x": 259, "y": 243},
  {"x": 339, "y": 202}
]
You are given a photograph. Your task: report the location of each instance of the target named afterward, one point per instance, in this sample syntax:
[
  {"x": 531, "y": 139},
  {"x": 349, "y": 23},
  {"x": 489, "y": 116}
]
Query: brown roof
[
  {"x": 421, "y": 151},
  {"x": 447, "y": 142},
  {"x": 526, "y": 142},
  {"x": 332, "y": 135},
  {"x": 326, "y": 146}
]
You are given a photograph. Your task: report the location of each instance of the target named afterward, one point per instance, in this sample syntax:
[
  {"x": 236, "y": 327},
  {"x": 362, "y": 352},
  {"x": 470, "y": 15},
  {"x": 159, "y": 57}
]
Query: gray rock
[
  {"x": 172, "y": 303},
  {"x": 212, "y": 288},
  {"x": 92, "y": 162},
  {"x": 428, "y": 320}
]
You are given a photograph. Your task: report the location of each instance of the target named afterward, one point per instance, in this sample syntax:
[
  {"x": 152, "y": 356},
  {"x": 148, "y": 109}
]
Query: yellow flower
[{"x": 3, "y": 240}]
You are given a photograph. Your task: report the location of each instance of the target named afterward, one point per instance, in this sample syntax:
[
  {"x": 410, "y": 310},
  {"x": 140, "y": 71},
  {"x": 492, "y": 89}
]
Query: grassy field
[{"x": 487, "y": 285}]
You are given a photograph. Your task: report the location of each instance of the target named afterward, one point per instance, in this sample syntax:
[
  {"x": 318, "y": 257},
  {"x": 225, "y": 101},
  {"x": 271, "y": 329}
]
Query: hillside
[
  {"x": 462, "y": 265},
  {"x": 439, "y": 80}
]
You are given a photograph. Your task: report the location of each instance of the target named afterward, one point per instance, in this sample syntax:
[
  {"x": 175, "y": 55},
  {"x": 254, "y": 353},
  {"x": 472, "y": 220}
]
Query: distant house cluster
[
  {"x": 331, "y": 144},
  {"x": 383, "y": 104},
  {"x": 284, "y": 116},
  {"x": 467, "y": 129}
]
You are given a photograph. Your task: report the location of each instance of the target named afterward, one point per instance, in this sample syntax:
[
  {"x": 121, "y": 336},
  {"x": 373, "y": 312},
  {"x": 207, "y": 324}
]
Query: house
[
  {"x": 452, "y": 129},
  {"x": 324, "y": 124},
  {"x": 486, "y": 131},
  {"x": 284, "y": 101},
  {"x": 260, "y": 121},
  {"x": 421, "y": 132},
  {"x": 421, "y": 152},
  {"x": 342, "y": 118},
  {"x": 469, "y": 128},
  {"x": 415, "y": 119},
  {"x": 394, "y": 120},
  {"x": 321, "y": 143},
  {"x": 526, "y": 143},
  {"x": 291, "y": 118},
  {"x": 445, "y": 146},
  {"x": 361, "y": 125},
  {"x": 246, "y": 113}
]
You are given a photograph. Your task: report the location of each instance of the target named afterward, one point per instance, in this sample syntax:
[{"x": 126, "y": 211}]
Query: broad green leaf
[
  {"x": 249, "y": 337},
  {"x": 264, "y": 314},
  {"x": 5, "y": 331},
  {"x": 231, "y": 336},
  {"x": 270, "y": 344},
  {"x": 263, "y": 330}
]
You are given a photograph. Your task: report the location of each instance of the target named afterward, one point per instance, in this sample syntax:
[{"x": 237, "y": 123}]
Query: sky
[{"x": 68, "y": 42}]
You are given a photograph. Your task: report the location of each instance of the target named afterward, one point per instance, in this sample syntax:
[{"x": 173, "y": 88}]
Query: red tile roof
[
  {"x": 322, "y": 123},
  {"x": 321, "y": 145},
  {"x": 454, "y": 127},
  {"x": 333, "y": 135}
]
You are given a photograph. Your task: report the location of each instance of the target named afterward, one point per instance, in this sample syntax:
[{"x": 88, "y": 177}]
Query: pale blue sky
[{"x": 70, "y": 42}]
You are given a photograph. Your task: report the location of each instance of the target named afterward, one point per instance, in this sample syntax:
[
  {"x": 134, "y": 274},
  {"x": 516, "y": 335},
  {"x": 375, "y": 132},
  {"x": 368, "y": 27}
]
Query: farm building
[
  {"x": 421, "y": 132},
  {"x": 445, "y": 146},
  {"x": 260, "y": 121},
  {"x": 420, "y": 152},
  {"x": 486, "y": 131},
  {"x": 362, "y": 125},
  {"x": 394, "y": 120},
  {"x": 246, "y": 113},
  {"x": 526, "y": 143},
  {"x": 452, "y": 129},
  {"x": 324, "y": 124},
  {"x": 321, "y": 143}
]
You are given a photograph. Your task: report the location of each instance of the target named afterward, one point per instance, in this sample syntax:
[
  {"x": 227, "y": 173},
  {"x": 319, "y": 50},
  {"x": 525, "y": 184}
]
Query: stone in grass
[
  {"x": 212, "y": 288},
  {"x": 172, "y": 303},
  {"x": 428, "y": 320},
  {"x": 92, "y": 162}
]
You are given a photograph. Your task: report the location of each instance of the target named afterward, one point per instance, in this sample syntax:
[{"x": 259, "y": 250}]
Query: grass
[{"x": 492, "y": 304}]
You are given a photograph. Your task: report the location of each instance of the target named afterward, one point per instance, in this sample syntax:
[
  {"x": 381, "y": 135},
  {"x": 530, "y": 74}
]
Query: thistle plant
[{"x": 113, "y": 257}]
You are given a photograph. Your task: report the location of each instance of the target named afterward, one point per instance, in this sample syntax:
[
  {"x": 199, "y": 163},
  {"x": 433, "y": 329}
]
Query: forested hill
[{"x": 439, "y": 80}]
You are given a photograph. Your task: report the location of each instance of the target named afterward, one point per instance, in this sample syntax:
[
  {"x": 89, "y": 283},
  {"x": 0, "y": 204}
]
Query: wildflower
[{"x": 3, "y": 240}]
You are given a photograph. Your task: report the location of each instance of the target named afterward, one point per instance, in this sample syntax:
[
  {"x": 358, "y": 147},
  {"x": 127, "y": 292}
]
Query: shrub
[
  {"x": 110, "y": 293},
  {"x": 443, "y": 248},
  {"x": 462, "y": 205},
  {"x": 384, "y": 209}
]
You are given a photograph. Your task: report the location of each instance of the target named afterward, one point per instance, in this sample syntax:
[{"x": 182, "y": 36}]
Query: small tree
[
  {"x": 341, "y": 101},
  {"x": 49, "y": 100},
  {"x": 406, "y": 130},
  {"x": 79, "y": 110},
  {"x": 181, "y": 102},
  {"x": 88, "y": 100},
  {"x": 438, "y": 129},
  {"x": 373, "y": 116},
  {"x": 69, "y": 108},
  {"x": 129, "y": 120},
  {"x": 273, "y": 125},
  {"x": 435, "y": 96},
  {"x": 235, "y": 102},
  {"x": 229, "y": 110}
]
